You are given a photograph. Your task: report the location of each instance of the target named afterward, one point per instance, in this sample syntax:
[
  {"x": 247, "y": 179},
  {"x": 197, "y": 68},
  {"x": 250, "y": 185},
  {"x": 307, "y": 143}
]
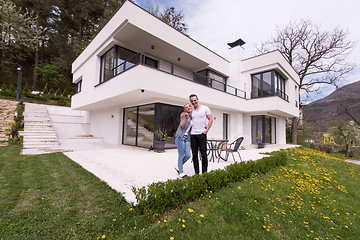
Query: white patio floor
[{"x": 124, "y": 167}]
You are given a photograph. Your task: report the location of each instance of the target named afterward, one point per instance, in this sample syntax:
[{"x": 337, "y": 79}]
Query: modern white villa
[{"x": 137, "y": 73}]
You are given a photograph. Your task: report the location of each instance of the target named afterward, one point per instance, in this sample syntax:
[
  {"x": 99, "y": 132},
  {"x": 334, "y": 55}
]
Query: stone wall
[{"x": 7, "y": 112}]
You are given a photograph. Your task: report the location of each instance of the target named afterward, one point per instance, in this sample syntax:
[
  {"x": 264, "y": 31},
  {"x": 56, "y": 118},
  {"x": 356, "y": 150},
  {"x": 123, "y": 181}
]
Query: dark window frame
[
  {"x": 269, "y": 138},
  {"x": 158, "y": 121},
  {"x": 79, "y": 86},
  {"x": 277, "y": 88}
]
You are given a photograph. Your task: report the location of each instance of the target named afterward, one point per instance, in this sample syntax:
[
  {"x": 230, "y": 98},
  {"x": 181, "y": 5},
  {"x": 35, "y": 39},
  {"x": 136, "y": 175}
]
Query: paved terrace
[{"x": 123, "y": 167}]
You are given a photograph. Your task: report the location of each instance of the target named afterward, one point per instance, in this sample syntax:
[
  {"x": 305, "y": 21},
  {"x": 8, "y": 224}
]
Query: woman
[{"x": 181, "y": 140}]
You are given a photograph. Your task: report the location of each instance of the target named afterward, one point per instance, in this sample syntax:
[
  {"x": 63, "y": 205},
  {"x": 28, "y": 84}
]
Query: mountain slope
[{"x": 320, "y": 113}]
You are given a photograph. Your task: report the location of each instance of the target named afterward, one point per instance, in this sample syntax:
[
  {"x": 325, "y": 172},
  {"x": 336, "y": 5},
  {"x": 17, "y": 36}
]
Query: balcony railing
[
  {"x": 147, "y": 59},
  {"x": 265, "y": 94}
]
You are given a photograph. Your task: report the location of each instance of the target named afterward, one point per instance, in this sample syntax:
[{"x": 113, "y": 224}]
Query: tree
[
  {"x": 345, "y": 134},
  {"x": 18, "y": 35},
  {"x": 318, "y": 56},
  {"x": 170, "y": 16},
  {"x": 50, "y": 75},
  {"x": 42, "y": 10}
]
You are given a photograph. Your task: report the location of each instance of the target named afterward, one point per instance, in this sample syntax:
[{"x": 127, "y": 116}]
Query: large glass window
[
  {"x": 225, "y": 126},
  {"x": 266, "y": 126},
  {"x": 269, "y": 83},
  {"x": 141, "y": 122},
  {"x": 107, "y": 65},
  {"x": 212, "y": 79},
  {"x": 78, "y": 86},
  {"x": 130, "y": 126},
  {"x": 117, "y": 60}
]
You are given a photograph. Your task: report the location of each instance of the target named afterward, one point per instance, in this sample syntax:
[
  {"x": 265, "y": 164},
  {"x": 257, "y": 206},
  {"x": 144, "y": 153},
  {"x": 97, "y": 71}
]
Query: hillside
[{"x": 319, "y": 113}]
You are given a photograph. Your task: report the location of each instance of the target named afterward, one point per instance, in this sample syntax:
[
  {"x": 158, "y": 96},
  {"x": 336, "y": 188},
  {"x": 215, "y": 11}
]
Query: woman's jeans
[{"x": 183, "y": 148}]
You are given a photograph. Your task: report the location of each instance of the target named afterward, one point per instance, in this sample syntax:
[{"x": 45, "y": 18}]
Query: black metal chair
[{"x": 231, "y": 148}]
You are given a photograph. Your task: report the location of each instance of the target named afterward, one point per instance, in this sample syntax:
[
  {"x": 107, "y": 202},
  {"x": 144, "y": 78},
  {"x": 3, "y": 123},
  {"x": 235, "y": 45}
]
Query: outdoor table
[{"x": 213, "y": 148}]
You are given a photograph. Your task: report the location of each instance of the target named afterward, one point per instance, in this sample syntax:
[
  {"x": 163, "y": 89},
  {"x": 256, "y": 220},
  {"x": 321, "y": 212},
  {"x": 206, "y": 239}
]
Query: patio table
[{"x": 213, "y": 148}]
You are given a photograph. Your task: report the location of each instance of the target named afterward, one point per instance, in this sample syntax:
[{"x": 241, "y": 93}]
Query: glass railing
[
  {"x": 169, "y": 67},
  {"x": 278, "y": 93},
  {"x": 148, "y": 60}
]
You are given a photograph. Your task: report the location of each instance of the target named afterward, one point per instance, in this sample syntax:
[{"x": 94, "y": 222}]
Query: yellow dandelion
[
  {"x": 164, "y": 220},
  {"x": 134, "y": 227},
  {"x": 130, "y": 209},
  {"x": 171, "y": 230},
  {"x": 183, "y": 226},
  {"x": 179, "y": 219},
  {"x": 183, "y": 220},
  {"x": 172, "y": 238},
  {"x": 103, "y": 236},
  {"x": 190, "y": 210},
  {"x": 201, "y": 215},
  {"x": 114, "y": 220},
  {"x": 268, "y": 229}
]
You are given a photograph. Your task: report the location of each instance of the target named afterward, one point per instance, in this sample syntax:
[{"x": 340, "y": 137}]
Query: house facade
[{"x": 137, "y": 73}]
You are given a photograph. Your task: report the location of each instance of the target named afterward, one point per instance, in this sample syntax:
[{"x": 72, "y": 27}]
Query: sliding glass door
[
  {"x": 141, "y": 122},
  {"x": 266, "y": 126}
]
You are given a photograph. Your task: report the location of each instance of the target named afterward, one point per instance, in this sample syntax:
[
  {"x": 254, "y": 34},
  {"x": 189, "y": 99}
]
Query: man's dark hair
[{"x": 193, "y": 95}]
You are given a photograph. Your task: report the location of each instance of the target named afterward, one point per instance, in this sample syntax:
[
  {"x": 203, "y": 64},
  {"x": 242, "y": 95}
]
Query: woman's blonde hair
[{"x": 186, "y": 105}]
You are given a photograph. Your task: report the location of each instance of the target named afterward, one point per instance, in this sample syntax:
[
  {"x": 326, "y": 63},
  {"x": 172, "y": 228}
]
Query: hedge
[{"x": 159, "y": 197}]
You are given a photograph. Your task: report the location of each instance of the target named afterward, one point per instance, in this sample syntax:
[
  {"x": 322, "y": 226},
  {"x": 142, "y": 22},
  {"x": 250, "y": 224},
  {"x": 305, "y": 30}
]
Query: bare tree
[{"x": 319, "y": 57}]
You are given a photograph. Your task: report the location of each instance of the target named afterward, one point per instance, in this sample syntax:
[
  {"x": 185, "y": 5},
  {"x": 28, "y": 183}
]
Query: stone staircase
[
  {"x": 39, "y": 134},
  {"x": 7, "y": 112}
]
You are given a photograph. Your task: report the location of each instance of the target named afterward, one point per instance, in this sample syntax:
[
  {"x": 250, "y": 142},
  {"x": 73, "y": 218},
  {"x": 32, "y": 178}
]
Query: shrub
[
  {"x": 12, "y": 88},
  {"x": 3, "y": 87},
  {"x": 71, "y": 93},
  {"x": 26, "y": 88},
  {"x": 158, "y": 197},
  {"x": 51, "y": 92},
  {"x": 45, "y": 91},
  {"x": 65, "y": 93},
  {"x": 58, "y": 92}
]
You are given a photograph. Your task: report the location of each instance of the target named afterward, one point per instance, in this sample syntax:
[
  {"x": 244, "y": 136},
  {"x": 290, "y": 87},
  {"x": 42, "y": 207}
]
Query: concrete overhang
[{"x": 142, "y": 41}]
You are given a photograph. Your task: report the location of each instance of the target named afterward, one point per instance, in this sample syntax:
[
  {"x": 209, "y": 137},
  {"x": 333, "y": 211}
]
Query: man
[{"x": 201, "y": 123}]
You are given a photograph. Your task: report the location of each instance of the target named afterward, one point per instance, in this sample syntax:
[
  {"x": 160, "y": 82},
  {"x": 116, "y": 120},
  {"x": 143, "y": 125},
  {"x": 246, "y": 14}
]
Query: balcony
[
  {"x": 162, "y": 65},
  {"x": 278, "y": 93}
]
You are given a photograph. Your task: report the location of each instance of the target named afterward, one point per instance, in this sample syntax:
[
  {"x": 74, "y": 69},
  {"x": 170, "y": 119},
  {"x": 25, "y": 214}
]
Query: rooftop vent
[{"x": 238, "y": 42}]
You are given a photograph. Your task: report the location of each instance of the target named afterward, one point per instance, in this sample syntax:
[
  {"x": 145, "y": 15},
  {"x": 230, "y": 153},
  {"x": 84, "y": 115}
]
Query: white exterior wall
[
  {"x": 107, "y": 123},
  {"x": 105, "y": 101},
  {"x": 281, "y": 130}
]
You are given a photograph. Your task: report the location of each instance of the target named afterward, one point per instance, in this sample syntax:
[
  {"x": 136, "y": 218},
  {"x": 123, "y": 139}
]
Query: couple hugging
[{"x": 195, "y": 121}]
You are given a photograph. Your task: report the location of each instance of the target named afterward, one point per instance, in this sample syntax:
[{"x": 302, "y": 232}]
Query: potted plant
[
  {"x": 161, "y": 136},
  {"x": 259, "y": 140}
]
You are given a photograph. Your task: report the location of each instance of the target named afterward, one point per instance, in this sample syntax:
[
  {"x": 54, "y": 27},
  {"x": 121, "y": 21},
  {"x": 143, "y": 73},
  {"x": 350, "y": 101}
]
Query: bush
[
  {"x": 58, "y": 92},
  {"x": 65, "y": 93},
  {"x": 3, "y": 87},
  {"x": 45, "y": 91},
  {"x": 51, "y": 92},
  {"x": 26, "y": 88},
  {"x": 12, "y": 88},
  {"x": 158, "y": 197}
]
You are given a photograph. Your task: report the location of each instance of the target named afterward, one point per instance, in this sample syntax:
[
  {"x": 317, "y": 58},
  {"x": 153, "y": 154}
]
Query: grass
[
  {"x": 315, "y": 196},
  {"x": 51, "y": 197}
]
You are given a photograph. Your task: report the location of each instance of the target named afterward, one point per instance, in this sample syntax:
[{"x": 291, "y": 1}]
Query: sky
[{"x": 215, "y": 23}]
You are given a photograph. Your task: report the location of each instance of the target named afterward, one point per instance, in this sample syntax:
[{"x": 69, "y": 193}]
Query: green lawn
[{"x": 315, "y": 196}]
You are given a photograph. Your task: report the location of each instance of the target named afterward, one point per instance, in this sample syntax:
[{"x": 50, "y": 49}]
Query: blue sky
[{"x": 215, "y": 23}]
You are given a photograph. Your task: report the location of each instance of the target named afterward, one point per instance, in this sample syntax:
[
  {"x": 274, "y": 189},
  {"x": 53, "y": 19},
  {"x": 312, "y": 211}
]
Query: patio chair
[{"x": 231, "y": 148}]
